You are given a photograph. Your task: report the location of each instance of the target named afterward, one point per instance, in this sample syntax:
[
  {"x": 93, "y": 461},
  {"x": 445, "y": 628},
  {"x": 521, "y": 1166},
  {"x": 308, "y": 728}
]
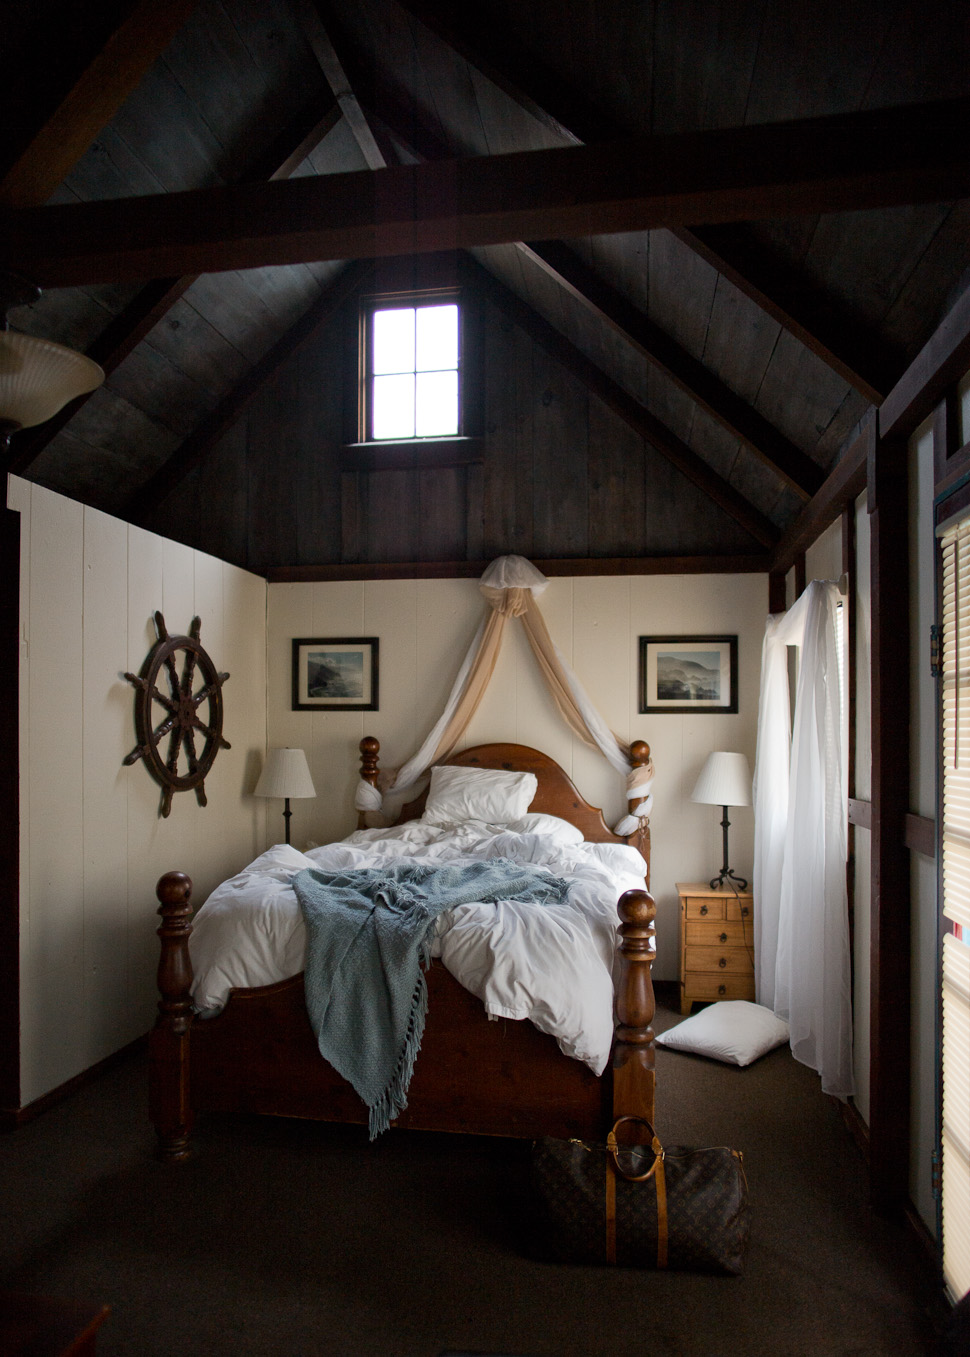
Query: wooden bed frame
[{"x": 259, "y": 1055}]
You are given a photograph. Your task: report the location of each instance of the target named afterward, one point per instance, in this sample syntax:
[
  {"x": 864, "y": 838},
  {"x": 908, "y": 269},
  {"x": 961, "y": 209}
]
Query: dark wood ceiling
[{"x": 706, "y": 239}]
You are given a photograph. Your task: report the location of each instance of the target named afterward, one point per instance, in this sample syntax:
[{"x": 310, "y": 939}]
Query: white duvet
[{"x": 549, "y": 963}]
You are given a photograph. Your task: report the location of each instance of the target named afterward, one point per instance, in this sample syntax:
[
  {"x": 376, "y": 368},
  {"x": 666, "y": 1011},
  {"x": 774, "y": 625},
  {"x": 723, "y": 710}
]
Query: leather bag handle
[{"x": 614, "y": 1150}]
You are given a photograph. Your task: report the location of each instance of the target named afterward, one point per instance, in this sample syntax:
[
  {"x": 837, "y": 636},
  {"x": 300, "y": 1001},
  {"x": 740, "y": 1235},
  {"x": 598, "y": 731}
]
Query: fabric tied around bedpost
[{"x": 511, "y": 585}]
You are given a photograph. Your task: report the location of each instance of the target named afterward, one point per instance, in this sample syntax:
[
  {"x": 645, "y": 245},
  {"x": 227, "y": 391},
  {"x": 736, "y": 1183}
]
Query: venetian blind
[
  {"x": 956, "y": 1116},
  {"x": 956, "y": 724},
  {"x": 956, "y": 906}
]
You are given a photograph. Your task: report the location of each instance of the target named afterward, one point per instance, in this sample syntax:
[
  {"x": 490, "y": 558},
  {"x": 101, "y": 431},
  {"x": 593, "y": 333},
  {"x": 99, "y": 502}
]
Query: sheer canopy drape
[
  {"x": 511, "y": 585},
  {"x": 802, "y": 969}
]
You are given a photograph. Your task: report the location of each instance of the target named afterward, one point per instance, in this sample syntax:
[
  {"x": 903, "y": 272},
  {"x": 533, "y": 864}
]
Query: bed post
[
  {"x": 640, "y": 838},
  {"x": 370, "y": 750},
  {"x": 634, "y": 1078},
  {"x": 169, "y": 1099}
]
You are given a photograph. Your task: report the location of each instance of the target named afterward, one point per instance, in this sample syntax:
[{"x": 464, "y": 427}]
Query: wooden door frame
[{"x": 10, "y": 814}]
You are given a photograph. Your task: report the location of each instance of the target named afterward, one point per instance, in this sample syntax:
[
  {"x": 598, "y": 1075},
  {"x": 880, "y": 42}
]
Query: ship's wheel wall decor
[{"x": 171, "y": 711}]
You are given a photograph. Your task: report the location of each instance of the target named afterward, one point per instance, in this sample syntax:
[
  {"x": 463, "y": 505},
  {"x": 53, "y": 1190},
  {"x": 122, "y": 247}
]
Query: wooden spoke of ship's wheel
[{"x": 181, "y": 658}]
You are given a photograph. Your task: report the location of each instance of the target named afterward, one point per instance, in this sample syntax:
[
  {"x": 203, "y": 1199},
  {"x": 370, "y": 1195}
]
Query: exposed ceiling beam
[
  {"x": 527, "y": 81},
  {"x": 99, "y": 92},
  {"x": 798, "y": 305},
  {"x": 560, "y": 565},
  {"x": 336, "y": 77},
  {"x": 122, "y": 334},
  {"x": 187, "y": 457},
  {"x": 655, "y": 433},
  {"x": 841, "y": 342},
  {"x": 844, "y": 483},
  {"x": 723, "y": 405},
  {"x": 940, "y": 363},
  {"x": 907, "y": 154}
]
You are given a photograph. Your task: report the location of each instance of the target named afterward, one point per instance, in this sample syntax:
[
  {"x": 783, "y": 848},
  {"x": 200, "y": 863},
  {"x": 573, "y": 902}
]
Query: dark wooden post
[
  {"x": 169, "y": 1098},
  {"x": 370, "y": 750},
  {"x": 889, "y": 927},
  {"x": 634, "y": 1079},
  {"x": 640, "y": 838}
]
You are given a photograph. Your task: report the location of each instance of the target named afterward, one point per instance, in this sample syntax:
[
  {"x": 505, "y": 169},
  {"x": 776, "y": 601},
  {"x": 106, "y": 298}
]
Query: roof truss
[{"x": 913, "y": 153}]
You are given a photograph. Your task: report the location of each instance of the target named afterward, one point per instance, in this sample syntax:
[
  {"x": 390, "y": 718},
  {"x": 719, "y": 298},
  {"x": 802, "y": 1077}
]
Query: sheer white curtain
[{"x": 801, "y": 918}]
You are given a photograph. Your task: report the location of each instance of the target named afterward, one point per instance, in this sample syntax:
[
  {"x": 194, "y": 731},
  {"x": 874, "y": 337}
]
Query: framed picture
[
  {"x": 688, "y": 673},
  {"x": 335, "y": 673}
]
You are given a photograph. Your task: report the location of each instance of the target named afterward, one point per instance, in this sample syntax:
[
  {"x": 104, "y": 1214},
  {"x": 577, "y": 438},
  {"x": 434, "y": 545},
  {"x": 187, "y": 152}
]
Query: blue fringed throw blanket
[{"x": 368, "y": 941}]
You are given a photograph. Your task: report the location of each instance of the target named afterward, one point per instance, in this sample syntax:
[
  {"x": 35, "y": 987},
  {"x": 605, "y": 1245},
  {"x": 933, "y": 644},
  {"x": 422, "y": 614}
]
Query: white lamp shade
[
  {"x": 38, "y": 378},
  {"x": 725, "y": 780},
  {"x": 285, "y": 774}
]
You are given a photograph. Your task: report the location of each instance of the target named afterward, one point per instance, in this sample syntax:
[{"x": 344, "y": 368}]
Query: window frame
[{"x": 364, "y": 452}]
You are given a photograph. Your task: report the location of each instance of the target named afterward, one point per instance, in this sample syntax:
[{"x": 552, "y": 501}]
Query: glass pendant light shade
[{"x": 38, "y": 378}]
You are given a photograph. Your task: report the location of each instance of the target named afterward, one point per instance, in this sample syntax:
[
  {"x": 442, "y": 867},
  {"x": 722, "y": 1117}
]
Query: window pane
[
  {"x": 437, "y": 404},
  {"x": 394, "y": 406},
  {"x": 394, "y": 340},
  {"x": 437, "y": 337}
]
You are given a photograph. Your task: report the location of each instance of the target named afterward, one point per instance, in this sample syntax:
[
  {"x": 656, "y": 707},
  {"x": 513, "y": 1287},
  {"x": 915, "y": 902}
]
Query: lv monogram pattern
[{"x": 707, "y": 1208}]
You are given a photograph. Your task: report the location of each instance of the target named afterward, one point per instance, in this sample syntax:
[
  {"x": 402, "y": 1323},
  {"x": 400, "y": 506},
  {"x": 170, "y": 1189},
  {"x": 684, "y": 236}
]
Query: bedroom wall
[
  {"x": 425, "y": 627},
  {"x": 92, "y": 842}
]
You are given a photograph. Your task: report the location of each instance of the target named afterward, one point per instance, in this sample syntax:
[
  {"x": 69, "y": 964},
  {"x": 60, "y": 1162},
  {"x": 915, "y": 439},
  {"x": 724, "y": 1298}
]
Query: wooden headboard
[{"x": 556, "y": 793}]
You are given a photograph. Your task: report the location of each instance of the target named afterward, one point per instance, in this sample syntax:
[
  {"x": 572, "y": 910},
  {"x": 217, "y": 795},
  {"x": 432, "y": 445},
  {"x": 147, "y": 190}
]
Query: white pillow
[
  {"x": 549, "y": 826},
  {"x": 489, "y": 794},
  {"x": 732, "y": 1030}
]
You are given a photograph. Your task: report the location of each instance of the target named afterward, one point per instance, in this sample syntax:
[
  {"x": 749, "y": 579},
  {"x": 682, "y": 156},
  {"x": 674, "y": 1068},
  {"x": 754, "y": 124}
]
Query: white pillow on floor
[{"x": 732, "y": 1030}]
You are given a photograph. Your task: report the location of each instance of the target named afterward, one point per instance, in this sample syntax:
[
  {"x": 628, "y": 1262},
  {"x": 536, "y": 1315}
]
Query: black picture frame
[
  {"x": 681, "y": 674},
  {"x": 335, "y": 673}
]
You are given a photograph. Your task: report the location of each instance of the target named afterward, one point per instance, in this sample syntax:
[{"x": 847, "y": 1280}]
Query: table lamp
[
  {"x": 725, "y": 780},
  {"x": 285, "y": 774}
]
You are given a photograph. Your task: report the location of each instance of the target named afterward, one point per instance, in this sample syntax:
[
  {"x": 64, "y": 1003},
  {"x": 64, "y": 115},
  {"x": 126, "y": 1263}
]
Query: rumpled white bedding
[{"x": 549, "y": 963}]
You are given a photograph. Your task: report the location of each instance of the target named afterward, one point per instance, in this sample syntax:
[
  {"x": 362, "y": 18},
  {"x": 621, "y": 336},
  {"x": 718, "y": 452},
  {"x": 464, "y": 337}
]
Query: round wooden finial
[
  {"x": 637, "y": 907},
  {"x": 639, "y": 753},
  {"x": 370, "y": 745},
  {"x": 174, "y": 888}
]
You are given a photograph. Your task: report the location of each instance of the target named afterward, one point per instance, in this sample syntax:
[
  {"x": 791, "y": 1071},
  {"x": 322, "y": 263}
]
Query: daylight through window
[{"x": 413, "y": 371}]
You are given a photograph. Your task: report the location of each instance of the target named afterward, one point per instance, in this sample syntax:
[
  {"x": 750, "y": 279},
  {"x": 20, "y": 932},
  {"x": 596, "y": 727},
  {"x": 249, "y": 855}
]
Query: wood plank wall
[
  {"x": 92, "y": 845},
  {"x": 560, "y": 476}
]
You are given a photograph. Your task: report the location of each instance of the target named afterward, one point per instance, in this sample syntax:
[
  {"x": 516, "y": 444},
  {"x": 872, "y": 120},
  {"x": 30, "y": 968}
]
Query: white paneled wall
[
  {"x": 425, "y": 627},
  {"x": 92, "y": 842}
]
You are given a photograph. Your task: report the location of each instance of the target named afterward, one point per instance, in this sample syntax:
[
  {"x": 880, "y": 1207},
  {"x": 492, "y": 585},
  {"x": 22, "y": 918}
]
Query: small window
[{"x": 411, "y": 369}]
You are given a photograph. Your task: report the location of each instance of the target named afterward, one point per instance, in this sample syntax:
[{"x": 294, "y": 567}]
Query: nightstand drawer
[
  {"x": 717, "y": 907},
  {"x": 705, "y": 906},
  {"x": 718, "y": 959},
  {"x": 718, "y": 933},
  {"x": 704, "y": 985}
]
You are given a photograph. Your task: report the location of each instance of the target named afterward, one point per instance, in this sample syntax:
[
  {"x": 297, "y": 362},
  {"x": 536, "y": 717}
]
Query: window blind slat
[{"x": 956, "y": 906}]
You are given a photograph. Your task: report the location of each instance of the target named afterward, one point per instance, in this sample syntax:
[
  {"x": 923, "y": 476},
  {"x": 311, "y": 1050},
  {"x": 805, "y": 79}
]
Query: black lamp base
[{"x": 725, "y": 874}]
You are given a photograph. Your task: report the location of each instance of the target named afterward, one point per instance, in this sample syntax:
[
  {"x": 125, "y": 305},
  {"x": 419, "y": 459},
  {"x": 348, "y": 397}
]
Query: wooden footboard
[{"x": 489, "y": 1078}]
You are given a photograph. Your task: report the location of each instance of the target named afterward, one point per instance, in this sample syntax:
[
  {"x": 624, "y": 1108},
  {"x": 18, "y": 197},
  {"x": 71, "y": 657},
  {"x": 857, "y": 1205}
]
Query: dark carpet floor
[{"x": 289, "y": 1239}]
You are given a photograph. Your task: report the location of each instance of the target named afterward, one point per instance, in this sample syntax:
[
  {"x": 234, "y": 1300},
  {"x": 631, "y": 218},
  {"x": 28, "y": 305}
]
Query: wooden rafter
[
  {"x": 841, "y": 342},
  {"x": 706, "y": 389},
  {"x": 913, "y": 153},
  {"x": 699, "y": 383},
  {"x": 651, "y": 429},
  {"x": 122, "y": 334},
  {"x": 333, "y": 69},
  {"x": 96, "y": 96},
  {"x": 187, "y": 457},
  {"x": 815, "y": 320}
]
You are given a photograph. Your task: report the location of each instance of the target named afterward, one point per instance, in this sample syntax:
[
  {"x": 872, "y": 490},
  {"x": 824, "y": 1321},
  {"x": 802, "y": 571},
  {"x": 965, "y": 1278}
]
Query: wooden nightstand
[{"x": 716, "y": 944}]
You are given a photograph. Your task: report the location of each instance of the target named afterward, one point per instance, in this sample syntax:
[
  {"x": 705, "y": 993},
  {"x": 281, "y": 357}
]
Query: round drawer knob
[
  {"x": 703, "y": 909},
  {"x": 723, "y": 938},
  {"x": 722, "y": 962},
  {"x": 722, "y": 989}
]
